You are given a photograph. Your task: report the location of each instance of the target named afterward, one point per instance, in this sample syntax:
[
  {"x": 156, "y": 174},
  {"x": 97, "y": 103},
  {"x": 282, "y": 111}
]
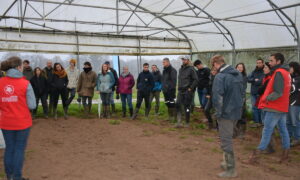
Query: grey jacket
[
  {"x": 187, "y": 78},
  {"x": 228, "y": 93},
  {"x": 30, "y": 97}
]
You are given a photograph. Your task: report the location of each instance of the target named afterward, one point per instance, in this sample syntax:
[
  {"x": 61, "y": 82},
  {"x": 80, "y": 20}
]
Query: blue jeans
[
  {"x": 293, "y": 122},
  {"x": 271, "y": 120},
  {"x": 16, "y": 141},
  {"x": 126, "y": 98},
  {"x": 255, "y": 111},
  {"x": 202, "y": 96}
]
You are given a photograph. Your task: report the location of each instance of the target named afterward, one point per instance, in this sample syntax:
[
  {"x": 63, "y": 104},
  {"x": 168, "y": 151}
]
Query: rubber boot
[
  {"x": 124, "y": 112},
  {"x": 50, "y": 109},
  {"x": 135, "y": 114},
  {"x": 147, "y": 111},
  {"x": 66, "y": 112},
  {"x": 253, "y": 158},
  {"x": 104, "y": 111},
  {"x": 108, "y": 112},
  {"x": 130, "y": 112},
  {"x": 156, "y": 110},
  {"x": 86, "y": 111},
  {"x": 284, "y": 156},
  {"x": 178, "y": 124},
  {"x": 170, "y": 115},
  {"x": 89, "y": 110},
  {"x": 187, "y": 118},
  {"x": 55, "y": 113},
  {"x": 230, "y": 166},
  {"x": 223, "y": 164},
  {"x": 113, "y": 108}
]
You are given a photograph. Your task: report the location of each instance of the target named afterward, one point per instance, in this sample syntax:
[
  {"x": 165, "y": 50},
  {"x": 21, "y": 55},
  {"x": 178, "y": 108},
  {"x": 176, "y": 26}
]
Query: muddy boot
[
  {"x": 135, "y": 114},
  {"x": 130, "y": 112},
  {"x": 113, "y": 108},
  {"x": 284, "y": 156},
  {"x": 55, "y": 114},
  {"x": 178, "y": 124},
  {"x": 223, "y": 164},
  {"x": 187, "y": 118},
  {"x": 253, "y": 158},
  {"x": 230, "y": 166},
  {"x": 66, "y": 112},
  {"x": 86, "y": 111},
  {"x": 147, "y": 111},
  {"x": 108, "y": 112},
  {"x": 156, "y": 110}
]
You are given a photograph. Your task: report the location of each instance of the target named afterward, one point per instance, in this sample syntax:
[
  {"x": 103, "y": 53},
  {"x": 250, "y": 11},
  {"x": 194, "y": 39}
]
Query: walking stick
[{"x": 99, "y": 106}]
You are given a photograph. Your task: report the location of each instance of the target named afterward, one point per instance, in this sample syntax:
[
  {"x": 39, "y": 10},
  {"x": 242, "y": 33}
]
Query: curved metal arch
[
  {"x": 272, "y": 4},
  {"x": 214, "y": 21},
  {"x": 164, "y": 20}
]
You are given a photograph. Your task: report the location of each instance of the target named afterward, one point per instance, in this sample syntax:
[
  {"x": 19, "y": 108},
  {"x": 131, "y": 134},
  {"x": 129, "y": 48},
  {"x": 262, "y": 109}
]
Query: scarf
[
  {"x": 86, "y": 70},
  {"x": 61, "y": 74},
  {"x": 124, "y": 74}
]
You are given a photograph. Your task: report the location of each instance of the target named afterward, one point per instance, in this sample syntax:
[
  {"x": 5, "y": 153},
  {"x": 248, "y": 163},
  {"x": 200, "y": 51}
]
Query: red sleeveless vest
[
  {"x": 281, "y": 104},
  {"x": 14, "y": 112}
]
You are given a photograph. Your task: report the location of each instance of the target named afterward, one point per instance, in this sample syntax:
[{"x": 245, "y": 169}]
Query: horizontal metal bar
[
  {"x": 96, "y": 53},
  {"x": 43, "y": 31},
  {"x": 92, "y": 45}
]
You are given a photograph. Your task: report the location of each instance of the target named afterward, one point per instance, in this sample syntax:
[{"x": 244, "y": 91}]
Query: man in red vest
[{"x": 275, "y": 104}]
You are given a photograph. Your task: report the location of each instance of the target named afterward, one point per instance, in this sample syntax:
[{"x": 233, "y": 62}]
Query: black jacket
[
  {"x": 28, "y": 73},
  {"x": 59, "y": 83},
  {"x": 39, "y": 85},
  {"x": 169, "y": 79},
  {"x": 256, "y": 74},
  {"x": 295, "y": 91},
  {"x": 187, "y": 78},
  {"x": 49, "y": 76},
  {"x": 145, "y": 82},
  {"x": 116, "y": 78},
  {"x": 203, "y": 78},
  {"x": 210, "y": 84}
]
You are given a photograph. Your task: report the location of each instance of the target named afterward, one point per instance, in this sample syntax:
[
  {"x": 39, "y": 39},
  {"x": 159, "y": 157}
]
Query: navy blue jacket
[
  {"x": 145, "y": 82},
  {"x": 228, "y": 93},
  {"x": 256, "y": 74}
]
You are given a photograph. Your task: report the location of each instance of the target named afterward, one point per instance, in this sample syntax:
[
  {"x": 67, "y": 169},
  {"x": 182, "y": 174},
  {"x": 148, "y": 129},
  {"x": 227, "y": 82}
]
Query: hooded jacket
[
  {"x": 256, "y": 74},
  {"x": 145, "y": 82},
  {"x": 125, "y": 84},
  {"x": 157, "y": 80},
  {"x": 169, "y": 79},
  {"x": 28, "y": 73},
  {"x": 228, "y": 93}
]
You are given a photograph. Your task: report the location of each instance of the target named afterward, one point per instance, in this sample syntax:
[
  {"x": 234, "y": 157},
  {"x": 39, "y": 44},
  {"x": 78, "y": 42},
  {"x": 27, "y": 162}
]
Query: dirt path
[{"x": 93, "y": 149}]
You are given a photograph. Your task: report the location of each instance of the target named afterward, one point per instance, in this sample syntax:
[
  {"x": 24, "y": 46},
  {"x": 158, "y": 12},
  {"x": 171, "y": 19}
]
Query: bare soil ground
[{"x": 94, "y": 149}]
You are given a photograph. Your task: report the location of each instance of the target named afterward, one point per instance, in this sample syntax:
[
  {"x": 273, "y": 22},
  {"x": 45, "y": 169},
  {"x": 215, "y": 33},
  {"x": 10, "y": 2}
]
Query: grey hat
[{"x": 184, "y": 57}]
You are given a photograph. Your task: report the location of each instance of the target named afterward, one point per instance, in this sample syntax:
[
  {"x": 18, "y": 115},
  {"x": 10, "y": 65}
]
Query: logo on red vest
[{"x": 9, "y": 90}]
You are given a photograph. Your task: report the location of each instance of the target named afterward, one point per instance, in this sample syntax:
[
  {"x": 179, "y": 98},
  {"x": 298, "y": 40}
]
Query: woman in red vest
[{"x": 16, "y": 98}]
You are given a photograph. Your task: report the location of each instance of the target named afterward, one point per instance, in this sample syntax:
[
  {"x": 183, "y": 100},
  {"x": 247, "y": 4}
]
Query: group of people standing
[{"x": 275, "y": 96}]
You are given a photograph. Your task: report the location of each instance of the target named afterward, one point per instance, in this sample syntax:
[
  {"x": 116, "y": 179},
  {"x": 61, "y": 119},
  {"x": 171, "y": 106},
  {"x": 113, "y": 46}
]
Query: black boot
[
  {"x": 131, "y": 112},
  {"x": 66, "y": 112},
  {"x": 124, "y": 112},
  {"x": 147, "y": 111},
  {"x": 187, "y": 118},
  {"x": 135, "y": 114},
  {"x": 113, "y": 108}
]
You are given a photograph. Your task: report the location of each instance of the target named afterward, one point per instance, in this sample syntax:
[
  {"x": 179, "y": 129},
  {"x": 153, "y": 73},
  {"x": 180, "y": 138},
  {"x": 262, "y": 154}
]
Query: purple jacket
[{"x": 125, "y": 84}]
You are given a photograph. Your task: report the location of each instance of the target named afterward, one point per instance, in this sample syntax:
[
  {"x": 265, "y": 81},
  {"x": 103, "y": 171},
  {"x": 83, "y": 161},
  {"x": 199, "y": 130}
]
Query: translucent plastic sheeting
[{"x": 198, "y": 21}]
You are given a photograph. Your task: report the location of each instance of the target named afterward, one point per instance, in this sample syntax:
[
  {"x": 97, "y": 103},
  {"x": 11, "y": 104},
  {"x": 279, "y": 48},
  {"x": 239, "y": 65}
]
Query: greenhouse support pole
[{"x": 77, "y": 45}]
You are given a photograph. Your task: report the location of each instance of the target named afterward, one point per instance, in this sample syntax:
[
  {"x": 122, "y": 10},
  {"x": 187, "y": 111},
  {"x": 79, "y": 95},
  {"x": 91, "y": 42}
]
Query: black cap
[
  {"x": 107, "y": 62},
  {"x": 197, "y": 62}
]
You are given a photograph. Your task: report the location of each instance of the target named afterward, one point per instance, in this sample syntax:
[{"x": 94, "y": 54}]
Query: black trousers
[
  {"x": 70, "y": 95},
  {"x": 170, "y": 98},
  {"x": 143, "y": 95},
  {"x": 63, "y": 94},
  {"x": 183, "y": 103},
  {"x": 87, "y": 100},
  {"x": 43, "y": 99}
]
